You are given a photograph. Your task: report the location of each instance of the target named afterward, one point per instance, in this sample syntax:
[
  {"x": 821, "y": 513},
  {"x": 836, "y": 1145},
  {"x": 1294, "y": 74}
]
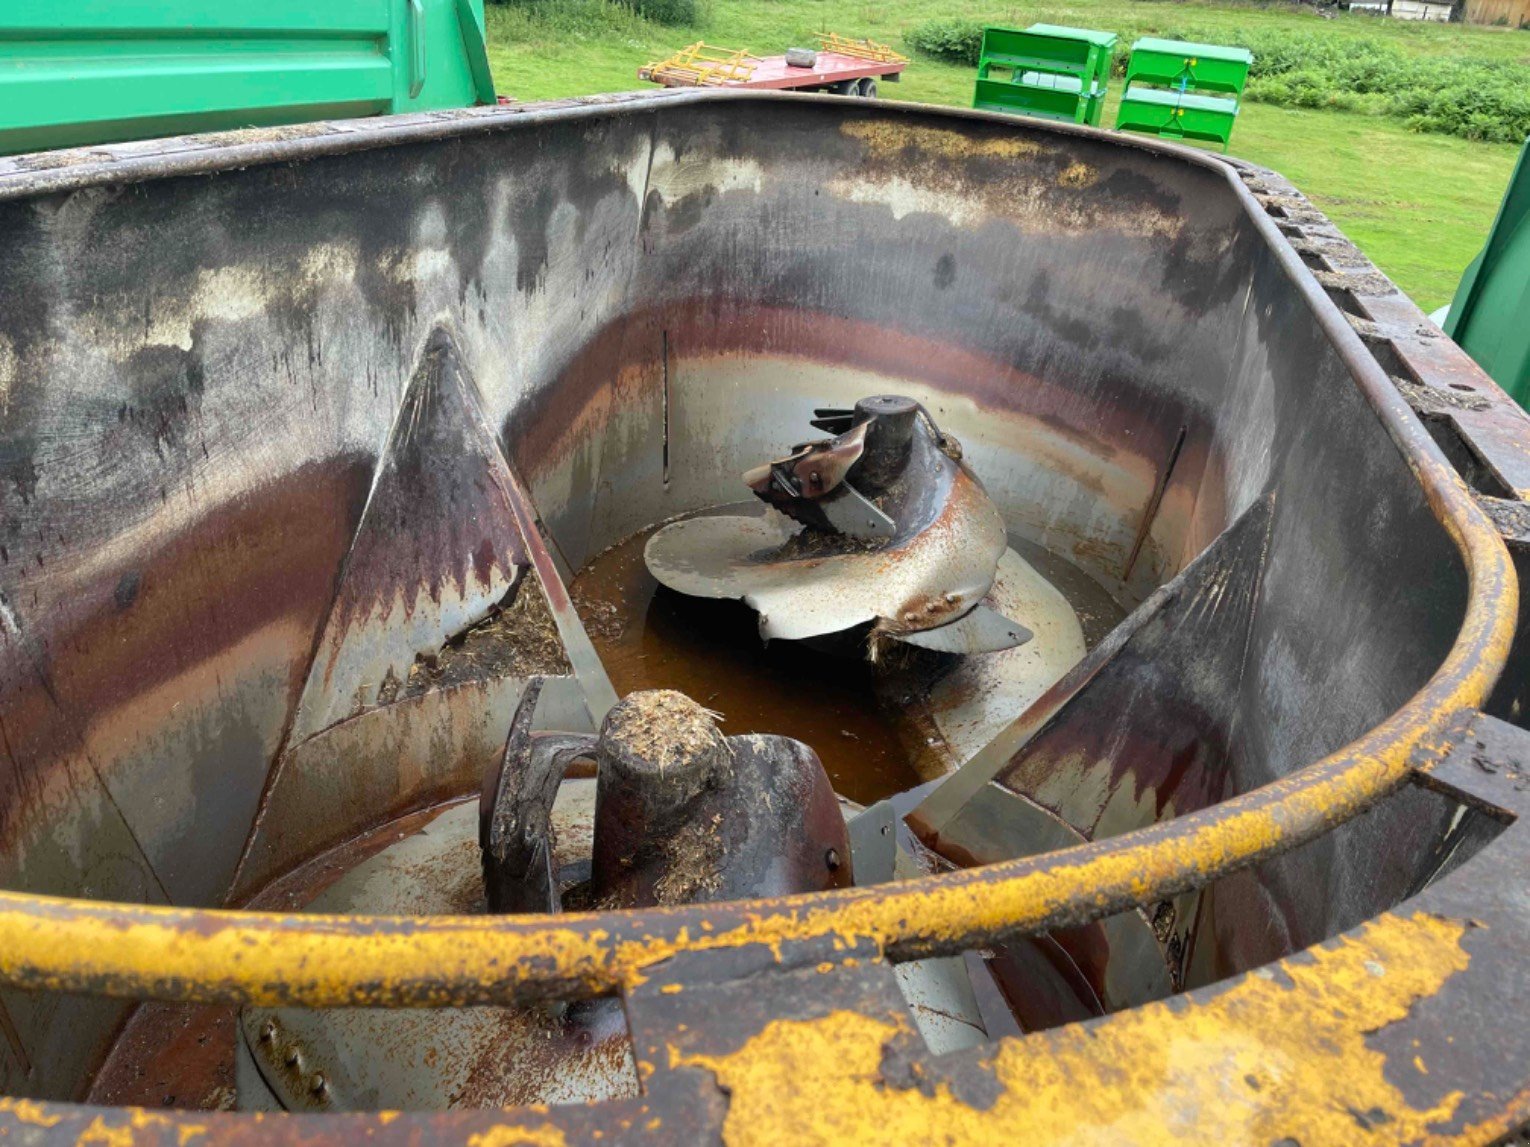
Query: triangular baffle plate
[
  {"x": 437, "y": 546},
  {"x": 1144, "y": 727}
]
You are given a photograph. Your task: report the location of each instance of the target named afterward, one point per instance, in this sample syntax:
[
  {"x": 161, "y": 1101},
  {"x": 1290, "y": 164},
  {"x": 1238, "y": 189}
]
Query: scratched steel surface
[{"x": 205, "y": 346}]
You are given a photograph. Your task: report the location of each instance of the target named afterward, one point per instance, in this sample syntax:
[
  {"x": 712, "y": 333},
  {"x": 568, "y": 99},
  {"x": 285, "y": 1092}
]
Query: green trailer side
[
  {"x": 97, "y": 71},
  {"x": 1490, "y": 315}
]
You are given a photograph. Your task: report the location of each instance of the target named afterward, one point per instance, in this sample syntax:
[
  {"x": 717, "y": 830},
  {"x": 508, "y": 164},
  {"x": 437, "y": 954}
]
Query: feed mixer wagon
[{"x": 725, "y": 615}]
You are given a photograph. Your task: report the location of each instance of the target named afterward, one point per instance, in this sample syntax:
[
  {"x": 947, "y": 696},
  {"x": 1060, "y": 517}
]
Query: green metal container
[
  {"x": 1047, "y": 70},
  {"x": 1182, "y": 90},
  {"x": 1490, "y": 315},
  {"x": 94, "y": 71}
]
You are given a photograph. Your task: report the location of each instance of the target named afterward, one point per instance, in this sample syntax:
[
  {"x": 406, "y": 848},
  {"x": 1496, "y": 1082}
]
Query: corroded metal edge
[{"x": 136, "y": 951}]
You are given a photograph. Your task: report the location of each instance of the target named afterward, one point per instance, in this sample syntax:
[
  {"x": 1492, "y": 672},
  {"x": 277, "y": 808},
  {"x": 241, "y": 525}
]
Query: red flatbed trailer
[{"x": 850, "y": 67}]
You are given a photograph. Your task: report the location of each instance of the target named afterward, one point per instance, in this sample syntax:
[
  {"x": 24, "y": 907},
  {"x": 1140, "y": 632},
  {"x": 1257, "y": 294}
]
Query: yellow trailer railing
[
  {"x": 860, "y": 49},
  {"x": 702, "y": 65}
]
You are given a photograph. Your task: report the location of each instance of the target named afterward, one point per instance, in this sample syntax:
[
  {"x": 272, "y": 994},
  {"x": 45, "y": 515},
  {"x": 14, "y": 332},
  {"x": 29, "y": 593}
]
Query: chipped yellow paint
[
  {"x": 511, "y": 1135},
  {"x": 127, "y": 1123},
  {"x": 1259, "y": 1062},
  {"x": 30, "y": 1112},
  {"x": 102, "y": 1134}
]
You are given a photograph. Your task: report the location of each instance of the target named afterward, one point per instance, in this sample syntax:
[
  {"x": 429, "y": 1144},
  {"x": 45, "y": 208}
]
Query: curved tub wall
[
  {"x": 786, "y": 255},
  {"x": 200, "y": 374}
]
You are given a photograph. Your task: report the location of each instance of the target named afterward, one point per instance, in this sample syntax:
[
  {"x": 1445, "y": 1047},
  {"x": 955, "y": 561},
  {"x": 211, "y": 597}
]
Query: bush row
[
  {"x": 659, "y": 11},
  {"x": 1474, "y": 99}
]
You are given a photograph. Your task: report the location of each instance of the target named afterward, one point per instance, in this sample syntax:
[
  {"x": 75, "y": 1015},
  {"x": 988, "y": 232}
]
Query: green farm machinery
[
  {"x": 1181, "y": 90},
  {"x": 1174, "y": 89},
  {"x": 105, "y": 70},
  {"x": 1046, "y": 70},
  {"x": 1489, "y": 314}
]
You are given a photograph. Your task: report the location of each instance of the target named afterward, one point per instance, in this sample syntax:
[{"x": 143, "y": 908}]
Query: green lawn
[{"x": 1419, "y": 205}]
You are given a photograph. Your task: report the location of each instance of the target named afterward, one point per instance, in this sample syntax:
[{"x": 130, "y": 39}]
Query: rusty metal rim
[{"x": 138, "y": 951}]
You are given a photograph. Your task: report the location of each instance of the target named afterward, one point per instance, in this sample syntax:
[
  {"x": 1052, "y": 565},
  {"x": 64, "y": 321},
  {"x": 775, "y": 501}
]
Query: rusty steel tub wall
[{"x": 204, "y": 355}]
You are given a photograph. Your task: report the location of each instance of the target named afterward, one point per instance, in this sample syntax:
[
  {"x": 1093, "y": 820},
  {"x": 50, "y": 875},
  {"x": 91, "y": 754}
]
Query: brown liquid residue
[{"x": 653, "y": 638}]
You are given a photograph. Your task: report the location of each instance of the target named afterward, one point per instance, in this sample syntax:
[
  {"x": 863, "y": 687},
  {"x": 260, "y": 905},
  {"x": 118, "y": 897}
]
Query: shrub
[
  {"x": 586, "y": 15},
  {"x": 954, "y": 41},
  {"x": 668, "y": 11}
]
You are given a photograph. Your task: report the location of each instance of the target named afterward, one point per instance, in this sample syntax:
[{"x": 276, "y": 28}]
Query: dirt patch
[
  {"x": 602, "y": 619},
  {"x": 693, "y": 855},
  {"x": 244, "y": 135},
  {"x": 52, "y": 160},
  {"x": 1372, "y": 283},
  {"x": 812, "y": 543},
  {"x": 1435, "y": 399},
  {"x": 516, "y": 640},
  {"x": 665, "y": 728}
]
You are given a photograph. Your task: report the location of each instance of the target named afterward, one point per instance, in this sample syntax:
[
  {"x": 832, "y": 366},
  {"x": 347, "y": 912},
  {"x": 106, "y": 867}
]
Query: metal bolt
[
  {"x": 320, "y": 1084},
  {"x": 268, "y": 1031},
  {"x": 831, "y": 858},
  {"x": 294, "y": 1057}
]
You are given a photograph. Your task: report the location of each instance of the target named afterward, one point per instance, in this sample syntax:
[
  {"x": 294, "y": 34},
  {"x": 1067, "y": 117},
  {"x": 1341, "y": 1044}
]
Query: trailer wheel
[
  {"x": 868, "y": 88},
  {"x": 846, "y": 88}
]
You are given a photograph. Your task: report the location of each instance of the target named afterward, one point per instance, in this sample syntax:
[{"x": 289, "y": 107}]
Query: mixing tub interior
[{"x": 314, "y": 457}]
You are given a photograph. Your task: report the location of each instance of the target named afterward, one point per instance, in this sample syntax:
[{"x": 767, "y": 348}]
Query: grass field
[{"x": 1419, "y": 205}]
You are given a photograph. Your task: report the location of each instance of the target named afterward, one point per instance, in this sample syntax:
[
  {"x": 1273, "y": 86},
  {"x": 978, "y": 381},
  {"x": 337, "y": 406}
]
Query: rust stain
[
  {"x": 947, "y": 143},
  {"x": 1078, "y": 175},
  {"x": 971, "y": 178}
]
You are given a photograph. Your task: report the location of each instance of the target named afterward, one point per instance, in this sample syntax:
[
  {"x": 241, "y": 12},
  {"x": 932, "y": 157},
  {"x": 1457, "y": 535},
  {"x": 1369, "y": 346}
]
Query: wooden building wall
[{"x": 1514, "y": 13}]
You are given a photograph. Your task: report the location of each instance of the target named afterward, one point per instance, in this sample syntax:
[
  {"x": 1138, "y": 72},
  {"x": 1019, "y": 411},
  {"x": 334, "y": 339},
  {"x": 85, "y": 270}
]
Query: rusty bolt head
[
  {"x": 268, "y": 1031},
  {"x": 320, "y": 1085},
  {"x": 294, "y": 1057},
  {"x": 831, "y": 858}
]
